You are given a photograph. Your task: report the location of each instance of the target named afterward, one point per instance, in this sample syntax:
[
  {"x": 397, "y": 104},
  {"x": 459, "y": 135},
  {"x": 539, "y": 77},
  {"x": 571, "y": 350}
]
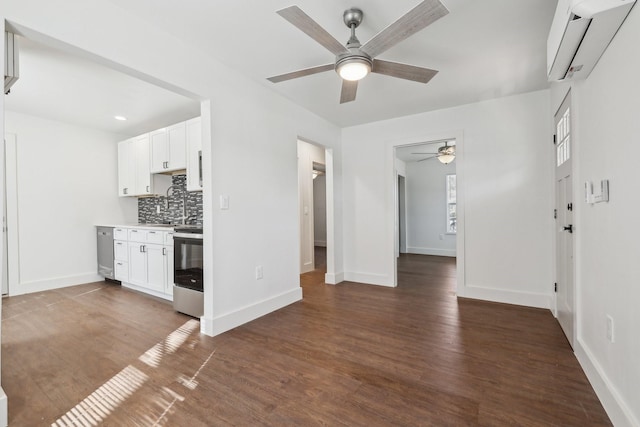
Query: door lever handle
[{"x": 569, "y": 228}]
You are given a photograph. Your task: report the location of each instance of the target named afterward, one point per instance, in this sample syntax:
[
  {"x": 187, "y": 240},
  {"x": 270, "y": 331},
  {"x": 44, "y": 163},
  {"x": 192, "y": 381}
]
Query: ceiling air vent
[{"x": 10, "y": 60}]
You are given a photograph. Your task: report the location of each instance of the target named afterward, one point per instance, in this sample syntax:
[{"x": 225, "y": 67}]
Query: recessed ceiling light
[{"x": 121, "y": 118}]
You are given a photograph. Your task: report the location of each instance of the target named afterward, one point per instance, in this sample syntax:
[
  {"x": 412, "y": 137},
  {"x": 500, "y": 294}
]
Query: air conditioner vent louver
[
  {"x": 580, "y": 33},
  {"x": 10, "y": 61}
]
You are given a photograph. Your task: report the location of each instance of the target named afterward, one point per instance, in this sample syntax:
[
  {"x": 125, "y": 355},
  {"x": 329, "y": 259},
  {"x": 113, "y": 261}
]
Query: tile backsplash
[{"x": 148, "y": 206}]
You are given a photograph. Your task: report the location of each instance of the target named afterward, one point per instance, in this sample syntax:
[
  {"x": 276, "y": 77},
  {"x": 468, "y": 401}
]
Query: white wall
[
  {"x": 427, "y": 208},
  {"x": 67, "y": 182},
  {"x": 504, "y": 168},
  {"x": 249, "y": 151},
  {"x": 606, "y": 108}
]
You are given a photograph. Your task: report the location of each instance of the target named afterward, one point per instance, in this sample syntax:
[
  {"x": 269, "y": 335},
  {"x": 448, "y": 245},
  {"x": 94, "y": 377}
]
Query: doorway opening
[
  {"x": 402, "y": 215},
  {"x": 314, "y": 189},
  {"x": 72, "y": 141},
  {"x": 427, "y": 206}
]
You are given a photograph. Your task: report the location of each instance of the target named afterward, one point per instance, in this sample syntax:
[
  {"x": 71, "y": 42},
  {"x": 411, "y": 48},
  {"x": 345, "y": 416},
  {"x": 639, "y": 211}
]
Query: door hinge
[
  {"x": 555, "y": 214},
  {"x": 554, "y": 140},
  {"x": 555, "y": 287}
]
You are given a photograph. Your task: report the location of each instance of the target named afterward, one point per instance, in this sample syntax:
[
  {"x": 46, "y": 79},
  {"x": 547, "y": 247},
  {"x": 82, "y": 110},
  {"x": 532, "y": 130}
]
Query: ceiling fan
[
  {"x": 354, "y": 61},
  {"x": 446, "y": 154}
]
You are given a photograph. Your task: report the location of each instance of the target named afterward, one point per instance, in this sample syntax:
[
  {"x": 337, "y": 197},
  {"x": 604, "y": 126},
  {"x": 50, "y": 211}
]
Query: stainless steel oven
[{"x": 188, "y": 296}]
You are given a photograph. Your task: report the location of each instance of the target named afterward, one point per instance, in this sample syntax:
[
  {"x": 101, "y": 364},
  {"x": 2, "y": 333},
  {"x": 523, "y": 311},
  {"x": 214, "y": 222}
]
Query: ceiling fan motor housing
[{"x": 353, "y": 16}]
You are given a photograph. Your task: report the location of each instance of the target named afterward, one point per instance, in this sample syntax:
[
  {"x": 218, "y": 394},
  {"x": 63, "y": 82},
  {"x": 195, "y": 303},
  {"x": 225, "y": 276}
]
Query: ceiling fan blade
[
  {"x": 349, "y": 90},
  {"x": 422, "y": 160},
  {"x": 403, "y": 71},
  {"x": 297, "y": 17},
  {"x": 301, "y": 73},
  {"x": 424, "y": 14}
]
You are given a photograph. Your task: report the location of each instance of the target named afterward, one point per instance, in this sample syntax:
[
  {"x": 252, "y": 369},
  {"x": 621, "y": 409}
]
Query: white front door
[{"x": 565, "y": 297}]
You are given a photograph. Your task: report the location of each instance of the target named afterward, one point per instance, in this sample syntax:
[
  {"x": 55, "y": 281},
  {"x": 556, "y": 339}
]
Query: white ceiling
[
  {"x": 483, "y": 50},
  {"x": 60, "y": 86}
]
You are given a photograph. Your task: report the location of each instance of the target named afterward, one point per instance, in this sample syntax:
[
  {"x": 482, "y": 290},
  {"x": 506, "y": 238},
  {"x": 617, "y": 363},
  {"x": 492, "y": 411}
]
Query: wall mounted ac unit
[
  {"x": 580, "y": 33},
  {"x": 10, "y": 60}
]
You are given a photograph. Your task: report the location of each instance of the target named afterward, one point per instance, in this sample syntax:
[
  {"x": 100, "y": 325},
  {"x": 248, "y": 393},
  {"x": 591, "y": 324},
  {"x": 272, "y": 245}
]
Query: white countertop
[{"x": 166, "y": 227}]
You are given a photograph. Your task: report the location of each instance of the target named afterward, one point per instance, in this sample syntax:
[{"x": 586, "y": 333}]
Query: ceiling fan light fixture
[
  {"x": 354, "y": 68},
  {"x": 446, "y": 158},
  {"x": 446, "y": 153}
]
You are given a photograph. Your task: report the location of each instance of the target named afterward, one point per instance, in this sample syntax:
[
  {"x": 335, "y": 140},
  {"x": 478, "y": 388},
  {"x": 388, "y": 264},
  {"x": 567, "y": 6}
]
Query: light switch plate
[{"x": 224, "y": 201}]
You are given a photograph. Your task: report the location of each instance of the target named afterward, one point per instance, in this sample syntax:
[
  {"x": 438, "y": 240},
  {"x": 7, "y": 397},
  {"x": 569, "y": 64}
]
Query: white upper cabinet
[
  {"x": 134, "y": 178},
  {"x": 143, "y": 174},
  {"x": 168, "y": 149},
  {"x": 178, "y": 146},
  {"x": 194, "y": 155},
  {"x": 159, "y": 150},
  {"x": 143, "y": 160},
  {"x": 126, "y": 169}
]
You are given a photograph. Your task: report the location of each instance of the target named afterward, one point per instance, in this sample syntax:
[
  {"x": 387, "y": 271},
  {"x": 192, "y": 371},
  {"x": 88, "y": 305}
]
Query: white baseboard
[
  {"x": 432, "y": 251},
  {"x": 4, "y": 412},
  {"x": 228, "y": 321},
  {"x": 613, "y": 403},
  {"x": 321, "y": 243},
  {"x": 333, "y": 279},
  {"x": 369, "y": 279},
  {"x": 55, "y": 283},
  {"x": 528, "y": 299}
]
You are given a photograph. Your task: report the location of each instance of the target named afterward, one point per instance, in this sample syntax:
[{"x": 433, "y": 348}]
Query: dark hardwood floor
[{"x": 349, "y": 354}]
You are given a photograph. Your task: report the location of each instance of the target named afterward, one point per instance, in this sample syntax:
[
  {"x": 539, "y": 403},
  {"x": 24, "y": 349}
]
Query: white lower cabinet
[
  {"x": 156, "y": 267},
  {"x": 121, "y": 256},
  {"x": 145, "y": 265},
  {"x": 137, "y": 264},
  {"x": 168, "y": 244},
  {"x": 121, "y": 271}
]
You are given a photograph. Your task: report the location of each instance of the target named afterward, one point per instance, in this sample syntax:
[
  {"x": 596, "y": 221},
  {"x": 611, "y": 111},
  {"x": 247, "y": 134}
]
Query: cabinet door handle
[
  {"x": 164, "y": 251},
  {"x": 141, "y": 248},
  {"x": 125, "y": 191},
  {"x": 148, "y": 189}
]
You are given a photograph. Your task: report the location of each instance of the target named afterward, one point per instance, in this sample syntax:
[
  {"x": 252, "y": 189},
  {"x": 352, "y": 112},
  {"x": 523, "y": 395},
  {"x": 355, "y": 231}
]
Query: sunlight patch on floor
[
  {"x": 174, "y": 340},
  {"x": 189, "y": 383},
  {"x": 94, "y": 409},
  {"x": 99, "y": 404}
]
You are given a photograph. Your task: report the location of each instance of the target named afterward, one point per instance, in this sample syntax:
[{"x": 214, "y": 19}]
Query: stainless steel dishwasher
[{"x": 105, "y": 252}]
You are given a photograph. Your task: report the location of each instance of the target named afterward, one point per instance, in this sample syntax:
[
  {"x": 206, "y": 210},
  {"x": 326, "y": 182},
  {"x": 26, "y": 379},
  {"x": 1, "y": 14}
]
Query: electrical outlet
[
  {"x": 610, "y": 330},
  {"x": 258, "y": 272},
  {"x": 157, "y": 209}
]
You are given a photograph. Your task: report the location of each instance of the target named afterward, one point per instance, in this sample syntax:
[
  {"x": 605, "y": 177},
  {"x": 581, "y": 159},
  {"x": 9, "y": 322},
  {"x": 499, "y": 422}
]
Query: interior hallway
[{"x": 349, "y": 354}]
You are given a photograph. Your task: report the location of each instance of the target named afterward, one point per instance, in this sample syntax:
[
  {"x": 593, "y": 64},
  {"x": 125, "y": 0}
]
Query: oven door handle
[{"x": 190, "y": 236}]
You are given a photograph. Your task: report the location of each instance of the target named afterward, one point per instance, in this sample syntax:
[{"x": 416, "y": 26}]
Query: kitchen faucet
[{"x": 184, "y": 201}]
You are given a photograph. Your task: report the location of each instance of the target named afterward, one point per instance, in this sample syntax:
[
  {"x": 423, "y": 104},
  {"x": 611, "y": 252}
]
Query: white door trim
[
  {"x": 392, "y": 238},
  {"x": 11, "y": 183}
]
